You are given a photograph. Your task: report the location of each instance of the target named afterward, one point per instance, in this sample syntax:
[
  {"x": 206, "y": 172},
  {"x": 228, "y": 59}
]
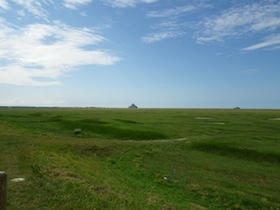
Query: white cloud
[
  {"x": 4, "y": 5},
  {"x": 155, "y": 37},
  {"x": 17, "y": 75},
  {"x": 74, "y": 4},
  {"x": 237, "y": 21},
  {"x": 37, "y": 54},
  {"x": 272, "y": 42},
  {"x": 126, "y": 3}
]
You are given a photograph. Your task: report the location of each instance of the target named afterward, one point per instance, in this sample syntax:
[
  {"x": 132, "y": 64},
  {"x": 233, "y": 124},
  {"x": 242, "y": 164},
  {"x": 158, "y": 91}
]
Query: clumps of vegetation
[{"x": 37, "y": 171}]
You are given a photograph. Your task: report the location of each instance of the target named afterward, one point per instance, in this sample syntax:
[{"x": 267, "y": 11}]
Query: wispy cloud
[
  {"x": 263, "y": 16},
  {"x": 171, "y": 22},
  {"x": 38, "y": 54},
  {"x": 272, "y": 42},
  {"x": 239, "y": 21},
  {"x": 74, "y": 4},
  {"x": 171, "y": 25},
  {"x": 35, "y": 7},
  {"x": 35, "y": 101},
  {"x": 4, "y": 5},
  {"x": 171, "y": 12},
  {"x": 126, "y": 3},
  {"x": 156, "y": 37}
]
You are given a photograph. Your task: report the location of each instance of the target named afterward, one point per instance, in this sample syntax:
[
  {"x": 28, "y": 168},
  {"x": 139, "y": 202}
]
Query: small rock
[{"x": 77, "y": 131}]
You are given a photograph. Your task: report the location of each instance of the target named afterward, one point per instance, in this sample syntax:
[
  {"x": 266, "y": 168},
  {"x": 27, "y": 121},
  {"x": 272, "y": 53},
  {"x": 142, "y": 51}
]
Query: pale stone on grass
[{"x": 18, "y": 180}]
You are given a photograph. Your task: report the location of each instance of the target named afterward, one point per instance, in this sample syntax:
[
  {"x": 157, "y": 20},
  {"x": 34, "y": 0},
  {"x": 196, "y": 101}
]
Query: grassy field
[{"x": 141, "y": 158}]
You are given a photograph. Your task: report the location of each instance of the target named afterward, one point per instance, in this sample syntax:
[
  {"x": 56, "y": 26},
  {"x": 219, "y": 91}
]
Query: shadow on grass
[
  {"x": 127, "y": 121},
  {"x": 234, "y": 152},
  {"x": 107, "y": 130}
]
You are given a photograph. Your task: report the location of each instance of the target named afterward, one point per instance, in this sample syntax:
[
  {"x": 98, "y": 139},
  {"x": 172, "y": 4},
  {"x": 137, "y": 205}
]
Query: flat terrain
[{"x": 141, "y": 158}]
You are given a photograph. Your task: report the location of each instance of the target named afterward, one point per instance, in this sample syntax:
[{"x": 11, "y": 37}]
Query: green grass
[{"x": 132, "y": 159}]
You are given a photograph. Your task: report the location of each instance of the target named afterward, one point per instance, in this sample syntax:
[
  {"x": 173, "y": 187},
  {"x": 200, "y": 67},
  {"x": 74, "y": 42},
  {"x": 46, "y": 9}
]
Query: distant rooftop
[{"x": 133, "y": 106}]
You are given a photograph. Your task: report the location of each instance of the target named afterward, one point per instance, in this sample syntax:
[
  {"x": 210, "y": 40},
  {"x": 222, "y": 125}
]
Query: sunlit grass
[{"x": 132, "y": 159}]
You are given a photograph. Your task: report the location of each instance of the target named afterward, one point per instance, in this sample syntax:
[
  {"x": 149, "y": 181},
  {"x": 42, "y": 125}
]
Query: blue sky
[{"x": 154, "y": 53}]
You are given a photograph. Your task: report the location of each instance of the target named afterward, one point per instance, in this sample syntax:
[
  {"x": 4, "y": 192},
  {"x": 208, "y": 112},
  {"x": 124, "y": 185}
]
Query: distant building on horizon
[{"x": 133, "y": 106}]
